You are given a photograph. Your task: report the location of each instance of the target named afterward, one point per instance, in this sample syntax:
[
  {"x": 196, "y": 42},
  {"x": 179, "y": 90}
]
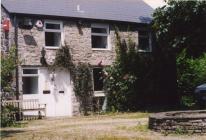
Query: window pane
[
  {"x": 30, "y": 71},
  {"x": 30, "y": 85},
  {"x": 144, "y": 43},
  {"x": 99, "y": 30},
  {"x": 98, "y": 79},
  {"x": 99, "y": 41},
  {"x": 52, "y": 39},
  {"x": 52, "y": 26}
]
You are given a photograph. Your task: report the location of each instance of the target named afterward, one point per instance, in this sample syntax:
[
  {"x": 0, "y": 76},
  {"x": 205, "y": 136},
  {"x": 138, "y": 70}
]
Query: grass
[
  {"x": 110, "y": 126},
  {"x": 140, "y": 128},
  {"x": 119, "y": 138},
  {"x": 126, "y": 115}
]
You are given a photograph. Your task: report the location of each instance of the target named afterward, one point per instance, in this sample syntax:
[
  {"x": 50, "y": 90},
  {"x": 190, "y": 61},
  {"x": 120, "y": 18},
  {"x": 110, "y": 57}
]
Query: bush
[
  {"x": 128, "y": 78},
  {"x": 187, "y": 101},
  {"x": 191, "y": 72},
  {"x": 83, "y": 86},
  {"x": 8, "y": 65},
  {"x": 8, "y": 115}
]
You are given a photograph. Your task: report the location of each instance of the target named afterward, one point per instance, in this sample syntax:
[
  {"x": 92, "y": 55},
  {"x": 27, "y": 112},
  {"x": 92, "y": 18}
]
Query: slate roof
[{"x": 116, "y": 10}]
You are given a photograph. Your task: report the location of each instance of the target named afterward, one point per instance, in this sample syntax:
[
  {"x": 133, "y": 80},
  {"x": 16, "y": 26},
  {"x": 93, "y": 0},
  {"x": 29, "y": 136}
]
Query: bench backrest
[{"x": 23, "y": 104}]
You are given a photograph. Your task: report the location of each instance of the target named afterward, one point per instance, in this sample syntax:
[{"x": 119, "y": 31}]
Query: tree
[
  {"x": 181, "y": 24},
  {"x": 180, "y": 32},
  {"x": 128, "y": 82}
]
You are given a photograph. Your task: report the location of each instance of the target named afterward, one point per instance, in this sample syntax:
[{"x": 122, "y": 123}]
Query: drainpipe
[
  {"x": 16, "y": 55},
  {"x": 18, "y": 114}
]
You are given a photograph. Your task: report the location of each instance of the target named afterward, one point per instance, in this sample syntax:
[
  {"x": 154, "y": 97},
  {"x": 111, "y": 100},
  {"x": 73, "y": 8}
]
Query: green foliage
[
  {"x": 81, "y": 74},
  {"x": 63, "y": 59},
  {"x": 7, "y": 115},
  {"x": 8, "y": 65},
  {"x": 187, "y": 101},
  {"x": 191, "y": 72},
  {"x": 181, "y": 24},
  {"x": 127, "y": 77},
  {"x": 180, "y": 30},
  {"x": 83, "y": 85}
]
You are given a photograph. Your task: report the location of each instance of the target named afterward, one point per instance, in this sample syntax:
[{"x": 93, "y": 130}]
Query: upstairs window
[
  {"x": 100, "y": 33},
  {"x": 30, "y": 81},
  {"x": 145, "y": 41},
  {"x": 53, "y": 34},
  {"x": 98, "y": 79}
]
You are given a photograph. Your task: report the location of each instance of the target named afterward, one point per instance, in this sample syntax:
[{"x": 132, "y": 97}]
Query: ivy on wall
[
  {"x": 83, "y": 86},
  {"x": 81, "y": 75}
]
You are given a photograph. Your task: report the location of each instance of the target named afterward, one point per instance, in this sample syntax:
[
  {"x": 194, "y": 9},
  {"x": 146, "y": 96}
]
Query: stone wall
[
  {"x": 7, "y": 38},
  {"x": 80, "y": 44},
  {"x": 79, "y": 40},
  {"x": 179, "y": 122}
]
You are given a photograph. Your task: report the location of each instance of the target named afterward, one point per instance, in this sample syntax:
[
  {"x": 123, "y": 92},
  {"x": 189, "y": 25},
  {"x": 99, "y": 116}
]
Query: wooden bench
[{"x": 27, "y": 105}]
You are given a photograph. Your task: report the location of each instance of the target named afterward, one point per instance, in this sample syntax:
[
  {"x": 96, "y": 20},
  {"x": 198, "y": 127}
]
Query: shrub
[
  {"x": 8, "y": 115},
  {"x": 191, "y": 72},
  {"x": 83, "y": 86},
  {"x": 187, "y": 101},
  {"x": 128, "y": 78},
  {"x": 8, "y": 65}
]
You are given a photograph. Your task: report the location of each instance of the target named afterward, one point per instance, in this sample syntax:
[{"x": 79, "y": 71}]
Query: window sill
[
  {"x": 98, "y": 49},
  {"x": 31, "y": 94},
  {"x": 52, "y": 48},
  {"x": 99, "y": 94},
  {"x": 145, "y": 51}
]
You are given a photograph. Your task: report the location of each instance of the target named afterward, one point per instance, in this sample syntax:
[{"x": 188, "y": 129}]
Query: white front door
[{"x": 54, "y": 90}]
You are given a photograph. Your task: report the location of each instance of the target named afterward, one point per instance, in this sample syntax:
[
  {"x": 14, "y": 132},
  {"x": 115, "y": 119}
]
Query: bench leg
[
  {"x": 39, "y": 114},
  {"x": 45, "y": 113}
]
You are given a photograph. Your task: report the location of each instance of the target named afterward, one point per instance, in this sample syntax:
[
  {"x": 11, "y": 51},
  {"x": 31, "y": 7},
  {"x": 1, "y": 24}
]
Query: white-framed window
[
  {"x": 98, "y": 78},
  {"x": 144, "y": 39},
  {"x": 100, "y": 36},
  {"x": 53, "y": 31},
  {"x": 30, "y": 80}
]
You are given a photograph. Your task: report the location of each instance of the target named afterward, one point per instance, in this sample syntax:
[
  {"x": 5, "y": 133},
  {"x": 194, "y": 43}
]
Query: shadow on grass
[
  {"x": 165, "y": 108},
  {"x": 9, "y": 133}
]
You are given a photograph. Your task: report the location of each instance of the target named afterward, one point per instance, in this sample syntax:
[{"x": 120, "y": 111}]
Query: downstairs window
[
  {"x": 144, "y": 41},
  {"x": 98, "y": 79},
  {"x": 30, "y": 81}
]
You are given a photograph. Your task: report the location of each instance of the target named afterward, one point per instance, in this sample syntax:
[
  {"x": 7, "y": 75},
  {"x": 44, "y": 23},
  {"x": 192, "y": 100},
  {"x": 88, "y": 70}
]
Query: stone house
[{"x": 88, "y": 27}]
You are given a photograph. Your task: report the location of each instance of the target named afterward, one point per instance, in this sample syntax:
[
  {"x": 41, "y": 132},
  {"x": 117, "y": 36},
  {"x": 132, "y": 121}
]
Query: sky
[{"x": 155, "y": 3}]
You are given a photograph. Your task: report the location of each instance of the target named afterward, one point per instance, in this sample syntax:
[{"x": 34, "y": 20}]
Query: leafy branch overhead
[
  {"x": 180, "y": 31},
  {"x": 181, "y": 24}
]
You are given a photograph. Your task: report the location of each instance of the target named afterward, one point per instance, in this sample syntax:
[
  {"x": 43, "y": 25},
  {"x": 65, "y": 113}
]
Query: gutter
[{"x": 16, "y": 55}]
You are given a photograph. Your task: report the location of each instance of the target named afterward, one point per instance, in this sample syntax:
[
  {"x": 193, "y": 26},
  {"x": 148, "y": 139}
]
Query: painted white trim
[
  {"x": 52, "y": 48},
  {"x": 99, "y": 94},
  {"x": 104, "y": 26},
  {"x": 101, "y": 49},
  {"x": 61, "y": 30},
  {"x": 30, "y": 75}
]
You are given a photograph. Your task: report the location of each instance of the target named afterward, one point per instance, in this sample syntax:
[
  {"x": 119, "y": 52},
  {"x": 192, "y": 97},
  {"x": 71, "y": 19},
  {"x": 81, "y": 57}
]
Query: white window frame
[
  {"x": 150, "y": 43},
  {"x": 54, "y": 30},
  {"x": 31, "y": 75},
  {"x": 105, "y": 26}
]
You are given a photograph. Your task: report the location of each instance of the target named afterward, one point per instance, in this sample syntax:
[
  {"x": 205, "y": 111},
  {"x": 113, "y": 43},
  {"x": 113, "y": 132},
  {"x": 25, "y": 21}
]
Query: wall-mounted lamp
[{"x": 52, "y": 76}]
